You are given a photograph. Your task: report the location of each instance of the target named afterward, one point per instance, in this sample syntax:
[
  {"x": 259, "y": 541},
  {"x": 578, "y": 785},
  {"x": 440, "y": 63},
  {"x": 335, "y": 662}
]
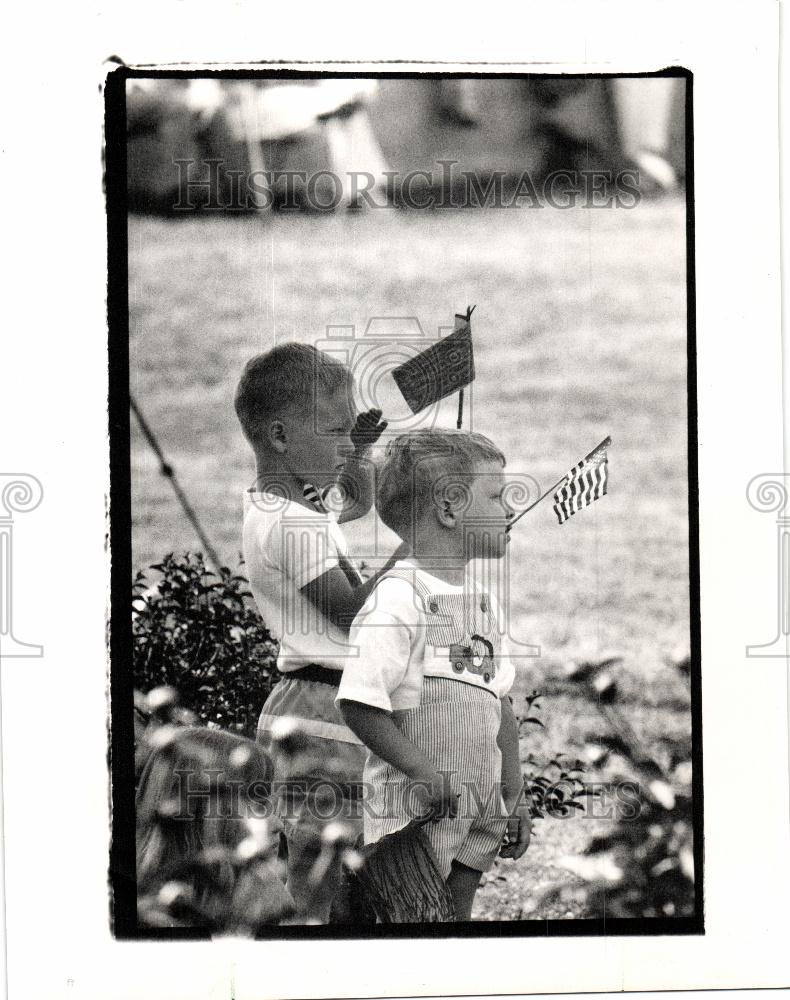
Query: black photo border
[{"x": 122, "y": 882}]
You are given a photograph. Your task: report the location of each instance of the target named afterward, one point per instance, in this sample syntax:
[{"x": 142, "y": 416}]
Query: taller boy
[{"x": 296, "y": 409}]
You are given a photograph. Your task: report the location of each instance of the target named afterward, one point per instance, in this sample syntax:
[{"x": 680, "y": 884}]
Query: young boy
[
  {"x": 296, "y": 410},
  {"x": 428, "y": 691}
]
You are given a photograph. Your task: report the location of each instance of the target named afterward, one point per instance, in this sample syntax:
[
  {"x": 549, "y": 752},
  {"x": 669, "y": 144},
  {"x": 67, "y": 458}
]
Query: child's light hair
[
  {"x": 288, "y": 375},
  {"x": 200, "y": 795},
  {"x": 416, "y": 462}
]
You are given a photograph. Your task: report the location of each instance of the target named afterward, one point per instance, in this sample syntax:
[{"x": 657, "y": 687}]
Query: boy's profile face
[
  {"x": 485, "y": 520},
  {"x": 319, "y": 437}
]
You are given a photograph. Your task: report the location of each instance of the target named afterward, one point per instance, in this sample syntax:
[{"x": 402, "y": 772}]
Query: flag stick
[
  {"x": 535, "y": 504},
  {"x": 467, "y": 316},
  {"x": 169, "y": 473},
  {"x": 604, "y": 444}
]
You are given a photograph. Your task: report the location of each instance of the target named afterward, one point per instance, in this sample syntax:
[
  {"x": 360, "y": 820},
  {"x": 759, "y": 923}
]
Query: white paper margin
[{"x": 53, "y": 393}]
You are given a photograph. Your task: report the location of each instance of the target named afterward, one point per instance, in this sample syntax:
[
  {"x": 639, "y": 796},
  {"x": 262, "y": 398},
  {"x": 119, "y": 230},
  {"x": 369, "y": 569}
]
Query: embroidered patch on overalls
[{"x": 465, "y": 625}]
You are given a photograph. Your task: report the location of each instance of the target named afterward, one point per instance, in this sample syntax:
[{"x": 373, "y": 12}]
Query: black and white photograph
[
  {"x": 405, "y": 608},
  {"x": 394, "y": 511}
]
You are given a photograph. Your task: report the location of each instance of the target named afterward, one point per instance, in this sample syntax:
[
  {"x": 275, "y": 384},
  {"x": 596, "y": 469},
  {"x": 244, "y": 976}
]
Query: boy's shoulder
[
  {"x": 406, "y": 585},
  {"x": 274, "y": 524},
  {"x": 398, "y": 594},
  {"x": 271, "y": 508}
]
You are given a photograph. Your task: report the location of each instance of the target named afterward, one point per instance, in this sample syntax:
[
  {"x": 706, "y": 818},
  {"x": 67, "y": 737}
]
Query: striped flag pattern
[
  {"x": 312, "y": 496},
  {"x": 584, "y": 483}
]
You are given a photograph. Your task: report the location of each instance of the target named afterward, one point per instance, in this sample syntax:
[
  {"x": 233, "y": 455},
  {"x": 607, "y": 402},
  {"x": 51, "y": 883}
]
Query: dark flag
[
  {"x": 585, "y": 482},
  {"x": 444, "y": 368},
  {"x": 401, "y": 879}
]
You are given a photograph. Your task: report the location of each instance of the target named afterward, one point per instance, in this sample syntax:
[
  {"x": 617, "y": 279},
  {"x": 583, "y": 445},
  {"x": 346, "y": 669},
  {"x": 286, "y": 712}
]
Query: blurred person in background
[
  {"x": 206, "y": 848},
  {"x": 311, "y": 126},
  {"x": 644, "y": 109},
  {"x": 316, "y": 127}
]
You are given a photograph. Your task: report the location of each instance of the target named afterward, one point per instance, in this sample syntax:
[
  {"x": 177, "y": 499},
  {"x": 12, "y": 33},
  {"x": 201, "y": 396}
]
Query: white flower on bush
[
  {"x": 687, "y": 863},
  {"x": 662, "y": 793},
  {"x": 260, "y": 839},
  {"x": 598, "y": 868}
]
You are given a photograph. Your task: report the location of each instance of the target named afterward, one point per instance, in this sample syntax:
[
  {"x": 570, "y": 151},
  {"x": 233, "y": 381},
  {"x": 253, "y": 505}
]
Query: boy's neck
[
  {"x": 454, "y": 575},
  {"x": 272, "y": 475},
  {"x": 437, "y": 554}
]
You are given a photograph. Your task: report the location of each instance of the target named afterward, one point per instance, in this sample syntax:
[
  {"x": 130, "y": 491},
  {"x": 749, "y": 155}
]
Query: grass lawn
[{"x": 580, "y": 331}]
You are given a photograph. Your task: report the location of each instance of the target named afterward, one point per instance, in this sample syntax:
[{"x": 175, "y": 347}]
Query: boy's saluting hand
[
  {"x": 358, "y": 475},
  {"x": 366, "y": 431}
]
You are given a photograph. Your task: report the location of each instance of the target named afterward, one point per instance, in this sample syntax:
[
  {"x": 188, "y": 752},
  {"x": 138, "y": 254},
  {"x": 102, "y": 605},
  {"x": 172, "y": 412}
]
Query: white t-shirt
[
  {"x": 414, "y": 625},
  {"x": 286, "y": 546}
]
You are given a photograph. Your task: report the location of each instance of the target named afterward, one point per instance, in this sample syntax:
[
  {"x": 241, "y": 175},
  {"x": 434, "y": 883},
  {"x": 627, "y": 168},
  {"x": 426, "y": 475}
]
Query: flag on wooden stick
[
  {"x": 584, "y": 483},
  {"x": 445, "y": 367}
]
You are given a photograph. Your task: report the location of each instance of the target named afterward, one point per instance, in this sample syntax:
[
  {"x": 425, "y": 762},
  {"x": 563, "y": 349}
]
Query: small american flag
[
  {"x": 312, "y": 496},
  {"x": 584, "y": 483}
]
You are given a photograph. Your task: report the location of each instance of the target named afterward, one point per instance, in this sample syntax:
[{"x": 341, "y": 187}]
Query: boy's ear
[
  {"x": 277, "y": 437},
  {"x": 445, "y": 514}
]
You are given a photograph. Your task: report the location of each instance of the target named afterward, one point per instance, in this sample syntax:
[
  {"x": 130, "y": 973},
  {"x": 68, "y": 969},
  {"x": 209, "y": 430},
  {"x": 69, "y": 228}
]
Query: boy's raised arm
[
  {"x": 333, "y": 594},
  {"x": 358, "y": 482},
  {"x": 358, "y": 478}
]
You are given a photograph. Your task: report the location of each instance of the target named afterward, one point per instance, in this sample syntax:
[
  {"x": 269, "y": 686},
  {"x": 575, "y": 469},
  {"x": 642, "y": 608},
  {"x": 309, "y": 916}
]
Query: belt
[
  {"x": 315, "y": 672},
  {"x": 294, "y": 790}
]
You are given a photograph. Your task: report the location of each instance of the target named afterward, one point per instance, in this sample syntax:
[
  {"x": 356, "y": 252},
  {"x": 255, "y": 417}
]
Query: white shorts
[{"x": 319, "y": 784}]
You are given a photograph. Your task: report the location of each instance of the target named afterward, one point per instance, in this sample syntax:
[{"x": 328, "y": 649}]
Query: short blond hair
[
  {"x": 416, "y": 462},
  {"x": 288, "y": 375}
]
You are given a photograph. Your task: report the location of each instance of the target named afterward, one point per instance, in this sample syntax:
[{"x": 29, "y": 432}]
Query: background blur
[
  {"x": 579, "y": 332},
  {"x": 486, "y": 125}
]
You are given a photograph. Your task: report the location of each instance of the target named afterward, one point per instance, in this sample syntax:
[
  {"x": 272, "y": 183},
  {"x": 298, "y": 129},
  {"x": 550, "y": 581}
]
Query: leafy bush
[
  {"x": 553, "y": 786},
  {"x": 644, "y": 865},
  {"x": 198, "y": 632}
]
